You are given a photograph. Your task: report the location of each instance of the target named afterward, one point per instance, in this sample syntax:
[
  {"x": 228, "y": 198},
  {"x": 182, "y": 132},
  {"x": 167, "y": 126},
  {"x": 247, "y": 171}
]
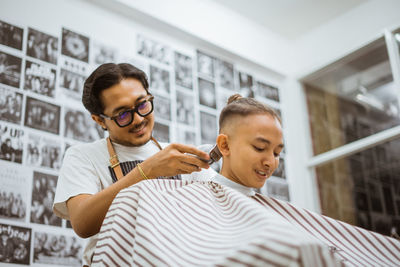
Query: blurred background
[{"x": 330, "y": 68}]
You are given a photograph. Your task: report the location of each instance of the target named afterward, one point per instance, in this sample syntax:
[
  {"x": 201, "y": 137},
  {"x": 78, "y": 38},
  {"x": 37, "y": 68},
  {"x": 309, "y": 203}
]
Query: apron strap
[
  {"x": 114, "y": 161},
  {"x": 155, "y": 141}
]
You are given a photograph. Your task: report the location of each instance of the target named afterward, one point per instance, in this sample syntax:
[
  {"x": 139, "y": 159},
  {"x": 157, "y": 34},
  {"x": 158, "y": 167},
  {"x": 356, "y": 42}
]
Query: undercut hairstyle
[
  {"x": 244, "y": 106},
  {"x": 104, "y": 77}
]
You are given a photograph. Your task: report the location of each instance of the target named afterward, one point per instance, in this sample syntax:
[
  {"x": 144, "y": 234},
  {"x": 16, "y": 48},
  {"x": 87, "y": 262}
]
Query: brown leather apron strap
[
  {"x": 114, "y": 162},
  {"x": 155, "y": 141}
]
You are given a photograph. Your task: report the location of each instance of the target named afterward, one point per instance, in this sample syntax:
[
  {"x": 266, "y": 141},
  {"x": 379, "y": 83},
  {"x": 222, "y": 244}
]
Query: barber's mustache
[{"x": 139, "y": 125}]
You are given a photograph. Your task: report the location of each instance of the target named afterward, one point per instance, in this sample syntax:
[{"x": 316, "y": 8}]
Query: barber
[{"x": 118, "y": 99}]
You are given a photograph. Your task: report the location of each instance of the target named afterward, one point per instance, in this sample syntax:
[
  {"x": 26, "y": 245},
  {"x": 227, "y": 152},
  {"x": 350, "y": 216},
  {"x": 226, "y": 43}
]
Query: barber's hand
[{"x": 174, "y": 160}]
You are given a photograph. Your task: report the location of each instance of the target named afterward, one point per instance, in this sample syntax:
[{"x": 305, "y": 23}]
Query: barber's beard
[{"x": 139, "y": 141}]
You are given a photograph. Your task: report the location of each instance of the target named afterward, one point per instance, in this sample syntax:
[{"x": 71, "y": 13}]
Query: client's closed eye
[{"x": 258, "y": 149}]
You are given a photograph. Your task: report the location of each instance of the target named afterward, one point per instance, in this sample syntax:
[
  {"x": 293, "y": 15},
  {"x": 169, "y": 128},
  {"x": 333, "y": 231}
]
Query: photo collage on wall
[
  {"x": 41, "y": 81},
  {"x": 41, "y": 115}
]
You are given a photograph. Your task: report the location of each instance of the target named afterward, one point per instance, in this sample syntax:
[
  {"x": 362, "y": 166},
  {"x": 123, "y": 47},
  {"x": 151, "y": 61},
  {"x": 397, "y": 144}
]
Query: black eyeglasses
[{"x": 125, "y": 118}]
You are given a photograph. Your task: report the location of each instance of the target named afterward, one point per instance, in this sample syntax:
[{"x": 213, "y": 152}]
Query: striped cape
[{"x": 186, "y": 223}]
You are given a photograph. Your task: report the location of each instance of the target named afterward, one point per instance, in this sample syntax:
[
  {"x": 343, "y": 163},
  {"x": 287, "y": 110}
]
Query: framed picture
[
  {"x": 205, "y": 65},
  {"x": 207, "y": 94},
  {"x": 42, "y": 46},
  {"x": 40, "y": 79},
  {"x": 183, "y": 70},
  {"x": 42, "y": 115},
  {"x": 75, "y": 45},
  {"x": 11, "y": 69},
  {"x": 11, "y": 35}
]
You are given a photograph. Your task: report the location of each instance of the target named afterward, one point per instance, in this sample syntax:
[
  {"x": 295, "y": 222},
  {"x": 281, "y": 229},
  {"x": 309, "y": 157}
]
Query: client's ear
[
  {"x": 222, "y": 143},
  {"x": 99, "y": 120}
]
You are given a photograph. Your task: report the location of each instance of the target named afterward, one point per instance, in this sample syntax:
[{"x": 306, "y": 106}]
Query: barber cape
[{"x": 188, "y": 223}]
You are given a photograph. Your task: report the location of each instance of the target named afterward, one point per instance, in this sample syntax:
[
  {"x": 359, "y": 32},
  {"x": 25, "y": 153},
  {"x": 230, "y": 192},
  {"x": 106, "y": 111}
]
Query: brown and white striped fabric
[{"x": 183, "y": 223}]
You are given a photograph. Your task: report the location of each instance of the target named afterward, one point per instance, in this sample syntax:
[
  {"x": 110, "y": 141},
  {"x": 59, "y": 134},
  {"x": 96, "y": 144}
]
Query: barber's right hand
[{"x": 175, "y": 159}]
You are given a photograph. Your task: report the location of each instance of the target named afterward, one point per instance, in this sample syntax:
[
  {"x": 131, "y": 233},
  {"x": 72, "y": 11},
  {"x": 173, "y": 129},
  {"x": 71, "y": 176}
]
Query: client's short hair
[{"x": 244, "y": 106}]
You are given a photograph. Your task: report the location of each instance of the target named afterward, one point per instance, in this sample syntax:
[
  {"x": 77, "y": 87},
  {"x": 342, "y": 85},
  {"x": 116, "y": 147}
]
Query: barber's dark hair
[
  {"x": 106, "y": 76},
  {"x": 244, "y": 106}
]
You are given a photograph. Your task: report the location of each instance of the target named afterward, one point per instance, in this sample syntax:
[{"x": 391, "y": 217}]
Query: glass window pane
[
  {"x": 364, "y": 189},
  {"x": 397, "y": 38},
  {"x": 352, "y": 98}
]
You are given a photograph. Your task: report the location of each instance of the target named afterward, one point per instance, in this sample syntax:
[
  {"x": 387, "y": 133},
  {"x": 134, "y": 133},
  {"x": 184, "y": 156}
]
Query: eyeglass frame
[{"x": 132, "y": 111}]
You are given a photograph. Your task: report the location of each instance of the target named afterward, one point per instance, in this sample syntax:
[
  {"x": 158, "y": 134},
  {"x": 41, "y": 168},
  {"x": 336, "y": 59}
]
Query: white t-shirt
[
  {"x": 220, "y": 179},
  {"x": 86, "y": 170}
]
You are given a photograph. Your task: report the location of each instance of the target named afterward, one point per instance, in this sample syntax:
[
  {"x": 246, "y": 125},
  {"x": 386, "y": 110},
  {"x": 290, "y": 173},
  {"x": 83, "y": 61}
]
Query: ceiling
[{"x": 291, "y": 18}]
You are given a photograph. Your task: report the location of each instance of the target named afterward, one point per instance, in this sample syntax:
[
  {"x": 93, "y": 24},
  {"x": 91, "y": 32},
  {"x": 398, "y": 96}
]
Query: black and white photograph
[
  {"x": 73, "y": 65},
  {"x": 183, "y": 70},
  {"x": 154, "y": 50},
  {"x": 11, "y": 35},
  {"x": 375, "y": 198},
  {"x": 15, "y": 244},
  {"x": 71, "y": 83},
  {"x": 208, "y": 124},
  {"x": 42, "y": 151},
  {"x": 56, "y": 249},
  {"x": 40, "y": 79},
  {"x": 75, "y": 45},
  {"x": 396, "y": 188},
  {"x": 246, "y": 85},
  {"x": 267, "y": 91},
  {"x": 14, "y": 192},
  {"x": 10, "y": 105},
  {"x": 101, "y": 53},
  {"x": 43, "y": 191},
  {"x": 364, "y": 220},
  {"x": 42, "y": 46},
  {"x": 361, "y": 201},
  {"x": 278, "y": 189},
  {"x": 186, "y": 136},
  {"x": 42, "y": 115},
  {"x": 388, "y": 198},
  {"x": 207, "y": 95},
  {"x": 280, "y": 171},
  {"x": 11, "y": 143},
  {"x": 162, "y": 107},
  {"x": 381, "y": 224},
  {"x": 10, "y": 69},
  {"x": 205, "y": 65},
  {"x": 161, "y": 132},
  {"x": 225, "y": 75},
  {"x": 79, "y": 125},
  {"x": 184, "y": 107},
  {"x": 159, "y": 81}
]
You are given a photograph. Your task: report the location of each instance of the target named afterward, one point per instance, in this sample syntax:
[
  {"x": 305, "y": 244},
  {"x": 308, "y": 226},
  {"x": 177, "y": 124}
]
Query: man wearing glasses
[{"x": 118, "y": 99}]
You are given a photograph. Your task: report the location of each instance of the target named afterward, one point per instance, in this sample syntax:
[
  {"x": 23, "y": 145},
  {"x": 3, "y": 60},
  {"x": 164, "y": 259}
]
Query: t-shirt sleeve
[{"x": 77, "y": 176}]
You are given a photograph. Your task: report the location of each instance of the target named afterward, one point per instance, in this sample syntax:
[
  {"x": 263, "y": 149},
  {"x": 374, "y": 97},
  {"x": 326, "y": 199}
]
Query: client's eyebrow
[{"x": 261, "y": 139}]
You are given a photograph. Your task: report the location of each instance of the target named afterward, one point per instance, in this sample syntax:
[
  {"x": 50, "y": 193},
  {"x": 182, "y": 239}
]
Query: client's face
[{"x": 254, "y": 148}]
